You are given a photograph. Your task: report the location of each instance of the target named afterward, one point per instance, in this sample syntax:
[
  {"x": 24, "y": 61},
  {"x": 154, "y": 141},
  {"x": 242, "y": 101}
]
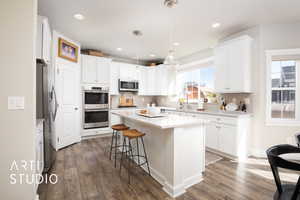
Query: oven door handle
[{"x": 96, "y": 110}]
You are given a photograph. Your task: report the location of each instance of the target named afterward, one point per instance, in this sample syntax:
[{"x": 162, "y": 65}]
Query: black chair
[
  {"x": 284, "y": 191},
  {"x": 297, "y": 136}
]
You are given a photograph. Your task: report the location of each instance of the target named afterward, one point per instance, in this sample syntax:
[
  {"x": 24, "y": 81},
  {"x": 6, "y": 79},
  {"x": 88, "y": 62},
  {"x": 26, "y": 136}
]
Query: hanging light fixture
[
  {"x": 170, "y": 58},
  {"x": 171, "y": 3}
]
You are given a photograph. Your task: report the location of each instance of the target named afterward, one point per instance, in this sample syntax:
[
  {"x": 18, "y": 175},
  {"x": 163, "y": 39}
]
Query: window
[
  {"x": 197, "y": 83},
  {"x": 283, "y": 98}
]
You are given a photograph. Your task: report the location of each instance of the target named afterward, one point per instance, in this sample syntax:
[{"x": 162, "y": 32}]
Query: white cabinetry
[
  {"x": 114, "y": 78},
  {"x": 115, "y": 119},
  {"x": 43, "y": 40},
  {"x": 229, "y": 135},
  {"x": 157, "y": 81},
  {"x": 129, "y": 71},
  {"x": 233, "y": 65},
  {"x": 95, "y": 70}
]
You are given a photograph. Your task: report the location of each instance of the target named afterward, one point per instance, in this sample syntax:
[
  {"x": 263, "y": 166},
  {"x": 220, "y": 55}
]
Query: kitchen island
[{"x": 175, "y": 146}]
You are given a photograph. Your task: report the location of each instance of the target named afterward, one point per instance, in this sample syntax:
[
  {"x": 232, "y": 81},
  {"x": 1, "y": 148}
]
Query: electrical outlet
[{"x": 247, "y": 101}]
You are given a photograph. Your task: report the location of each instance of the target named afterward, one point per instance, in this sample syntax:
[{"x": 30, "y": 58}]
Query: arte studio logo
[{"x": 25, "y": 172}]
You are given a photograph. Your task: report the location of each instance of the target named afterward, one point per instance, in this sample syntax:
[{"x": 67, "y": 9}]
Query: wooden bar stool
[
  {"x": 130, "y": 135},
  {"x": 114, "y": 139}
]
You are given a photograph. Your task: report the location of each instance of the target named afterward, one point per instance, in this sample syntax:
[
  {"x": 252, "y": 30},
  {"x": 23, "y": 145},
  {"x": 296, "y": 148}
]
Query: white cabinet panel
[
  {"x": 89, "y": 69},
  {"x": 114, "y": 78},
  {"x": 228, "y": 139},
  {"x": 129, "y": 71},
  {"x": 221, "y": 62},
  {"x": 103, "y": 67},
  {"x": 212, "y": 136},
  {"x": 228, "y": 135},
  {"x": 115, "y": 119},
  {"x": 43, "y": 40},
  {"x": 233, "y": 65},
  {"x": 95, "y": 70}
]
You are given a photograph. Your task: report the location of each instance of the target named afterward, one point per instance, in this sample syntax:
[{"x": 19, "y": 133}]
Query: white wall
[
  {"x": 266, "y": 37},
  {"x": 17, "y": 78}
]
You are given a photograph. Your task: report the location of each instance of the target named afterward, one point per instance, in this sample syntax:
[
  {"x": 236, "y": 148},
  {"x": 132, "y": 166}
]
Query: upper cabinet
[
  {"x": 129, "y": 71},
  {"x": 95, "y": 70},
  {"x": 233, "y": 61},
  {"x": 43, "y": 42},
  {"x": 114, "y": 78},
  {"x": 157, "y": 81}
]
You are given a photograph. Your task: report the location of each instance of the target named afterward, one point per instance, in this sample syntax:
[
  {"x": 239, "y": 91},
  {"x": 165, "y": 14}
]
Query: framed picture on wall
[{"x": 67, "y": 50}]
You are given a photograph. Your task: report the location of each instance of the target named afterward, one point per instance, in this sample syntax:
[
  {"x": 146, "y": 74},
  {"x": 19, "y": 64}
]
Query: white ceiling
[{"x": 108, "y": 24}]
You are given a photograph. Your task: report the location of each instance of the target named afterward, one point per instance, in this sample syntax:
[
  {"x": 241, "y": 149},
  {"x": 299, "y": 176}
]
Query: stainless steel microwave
[{"x": 128, "y": 85}]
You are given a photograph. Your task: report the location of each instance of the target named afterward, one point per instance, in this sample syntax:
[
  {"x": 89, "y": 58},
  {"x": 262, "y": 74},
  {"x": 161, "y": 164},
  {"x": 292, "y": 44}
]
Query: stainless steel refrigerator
[{"x": 43, "y": 111}]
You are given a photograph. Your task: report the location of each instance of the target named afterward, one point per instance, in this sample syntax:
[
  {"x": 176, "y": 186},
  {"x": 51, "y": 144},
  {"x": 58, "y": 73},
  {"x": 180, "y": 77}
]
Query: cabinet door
[
  {"x": 115, "y": 119},
  {"x": 143, "y": 81},
  {"x": 46, "y": 41},
  {"x": 126, "y": 71},
  {"x": 228, "y": 140},
  {"x": 103, "y": 66},
  {"x": 114, "y": 78},
  {"x": 212, "y": 136},
  {"x": 222, "y": 67},
  {"x": 239, "y": 62},
  {"x": 151, "y": 81},
  {"x": 89, "y": 69}
]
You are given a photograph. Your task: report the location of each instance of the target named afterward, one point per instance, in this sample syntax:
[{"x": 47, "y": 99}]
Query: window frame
[
  {"x": 202, "y": 63},
  {"x": 280, "y": 121}
]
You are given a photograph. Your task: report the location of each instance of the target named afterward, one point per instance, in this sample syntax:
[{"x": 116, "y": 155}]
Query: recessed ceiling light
[
  {"x": 79, "y": 16},
  {"x": 216, "y": 25},
  {"x": 152, "y": 55},
  {"x": 119, "y": 49},
  {"x": 176, "y": 44}
]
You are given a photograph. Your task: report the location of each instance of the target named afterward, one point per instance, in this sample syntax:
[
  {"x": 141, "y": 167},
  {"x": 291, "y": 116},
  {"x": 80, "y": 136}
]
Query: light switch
[{"x": 16, "y": 103}]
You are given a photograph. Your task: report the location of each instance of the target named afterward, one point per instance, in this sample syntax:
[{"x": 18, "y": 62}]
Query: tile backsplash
[
  {"x": 238, "y": 97},
  {"x": 139, "y": 101}
]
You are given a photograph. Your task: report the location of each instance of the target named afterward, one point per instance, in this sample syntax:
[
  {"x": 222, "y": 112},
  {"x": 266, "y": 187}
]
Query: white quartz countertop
[
  {"x": 167, "y": 121},
  {"x": 209, "y": 112}
]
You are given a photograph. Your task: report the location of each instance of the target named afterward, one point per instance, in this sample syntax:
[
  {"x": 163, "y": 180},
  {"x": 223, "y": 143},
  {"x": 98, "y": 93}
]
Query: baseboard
[
  {"x": 258, "y": 153},
  {"x": 172, "y": 191},
  {"x": 193, "y": 180},
  {"x": 95, "y": 136}
]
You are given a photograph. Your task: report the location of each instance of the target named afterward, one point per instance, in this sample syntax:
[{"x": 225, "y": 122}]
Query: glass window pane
[
  {"x": 283, "y": 104},
  {"x": 283, "y": 74}
]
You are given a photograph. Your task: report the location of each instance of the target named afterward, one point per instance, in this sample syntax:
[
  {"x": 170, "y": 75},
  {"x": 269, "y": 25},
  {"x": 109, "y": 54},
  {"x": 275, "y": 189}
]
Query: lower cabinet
[
  {"x": 229, "y": 136},
  {"x": 212, "y": 136},
  {"x": 115, "y": 119}
]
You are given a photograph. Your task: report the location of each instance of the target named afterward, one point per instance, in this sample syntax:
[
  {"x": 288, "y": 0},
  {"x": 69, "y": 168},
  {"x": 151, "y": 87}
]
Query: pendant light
[{"x": 170, "y": 58}]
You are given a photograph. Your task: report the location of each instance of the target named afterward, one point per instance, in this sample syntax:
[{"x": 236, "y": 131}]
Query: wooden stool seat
[
  {"x": 132, "y": 133},
  {"x": 119, "y": 127}
]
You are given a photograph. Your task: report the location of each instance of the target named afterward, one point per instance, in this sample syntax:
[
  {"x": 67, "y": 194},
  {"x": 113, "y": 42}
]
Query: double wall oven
[{"x": 96, "y": 107}]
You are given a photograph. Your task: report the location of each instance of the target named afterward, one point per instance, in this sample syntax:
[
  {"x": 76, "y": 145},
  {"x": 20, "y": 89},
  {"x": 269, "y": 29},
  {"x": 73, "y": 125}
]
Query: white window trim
[{"x": 281, "y": 122}]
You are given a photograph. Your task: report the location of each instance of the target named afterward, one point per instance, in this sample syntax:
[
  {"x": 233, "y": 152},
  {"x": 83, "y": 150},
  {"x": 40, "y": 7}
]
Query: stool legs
[
  {"x": 131, "y": 160},
  {"x": 146, "y": 156},
  {"x": 123, "y": 149},
  {"x": 111, "y": 144},
  {"x": 138, "y": 150},
  {"x": 116, "y": 146}
]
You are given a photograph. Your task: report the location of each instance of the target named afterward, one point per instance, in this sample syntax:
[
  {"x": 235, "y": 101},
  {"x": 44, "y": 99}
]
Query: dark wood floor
[{"x": 86, "y": 173}]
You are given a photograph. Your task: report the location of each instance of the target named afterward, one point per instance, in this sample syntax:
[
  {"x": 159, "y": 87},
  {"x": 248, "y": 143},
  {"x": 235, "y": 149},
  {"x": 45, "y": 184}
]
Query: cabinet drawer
[{"x": 222, "y": 120}]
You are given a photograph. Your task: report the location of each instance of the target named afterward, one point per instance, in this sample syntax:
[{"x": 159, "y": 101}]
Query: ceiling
[{"x": 109, "y": 24}]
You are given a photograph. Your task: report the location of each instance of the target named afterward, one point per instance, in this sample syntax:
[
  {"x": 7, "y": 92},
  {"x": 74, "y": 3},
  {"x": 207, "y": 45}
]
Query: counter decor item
[
  {"x": 231, "y": 107},
  {"x": 92, "y": 52},
  {"x": 200, "y": 104},
  {"x": 67, "y": 50}
]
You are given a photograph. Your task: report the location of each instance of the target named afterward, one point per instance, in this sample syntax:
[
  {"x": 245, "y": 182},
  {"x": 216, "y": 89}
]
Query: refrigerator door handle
[{"x": 55, "y": 101}]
